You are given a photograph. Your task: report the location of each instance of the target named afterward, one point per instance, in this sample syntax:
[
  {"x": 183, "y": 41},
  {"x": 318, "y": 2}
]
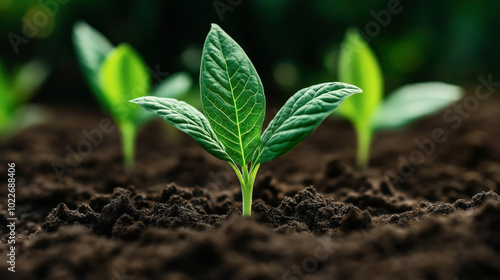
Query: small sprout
[
  {"x": 233, "y": 101},
  {"x": 368, "y": 112},
  {"x": 118, "y": 74},
  {"x": 15, "y": 93}
]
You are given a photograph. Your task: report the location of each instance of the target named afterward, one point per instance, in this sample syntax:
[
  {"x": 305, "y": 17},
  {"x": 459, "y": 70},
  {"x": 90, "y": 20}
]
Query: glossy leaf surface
[
  {"x": 187, "y": 119},
  {"x": 232, "y": 95},
  {"x": 300, "y": 116}
]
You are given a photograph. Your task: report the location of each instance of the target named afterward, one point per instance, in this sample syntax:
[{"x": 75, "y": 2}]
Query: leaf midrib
[
  {"x": 234, "y": 99},
  {"x": 194, "y": 123}
]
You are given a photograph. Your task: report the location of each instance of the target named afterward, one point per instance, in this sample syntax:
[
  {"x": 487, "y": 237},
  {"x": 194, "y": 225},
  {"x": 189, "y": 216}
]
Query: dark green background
[{"x": 297, "y": 40}]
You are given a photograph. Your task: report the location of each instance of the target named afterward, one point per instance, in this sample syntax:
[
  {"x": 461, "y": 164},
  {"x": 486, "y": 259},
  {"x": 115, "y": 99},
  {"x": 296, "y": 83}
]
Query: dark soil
[{"x": 177, "y": 215}]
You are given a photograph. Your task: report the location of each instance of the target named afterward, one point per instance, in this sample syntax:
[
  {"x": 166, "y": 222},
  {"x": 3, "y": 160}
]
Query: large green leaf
[
  {"x": 91, "y": 48},
  {"x": 358, "y": 66},
  {"x": 123, "y": 77},
  {"x": 186, "y": 118},
  {"x": 232, "y": 95},
  {"x": 174, "y": 86},
  {"x": 411, "y": 102},
  {"x": 300, "y": 116}
]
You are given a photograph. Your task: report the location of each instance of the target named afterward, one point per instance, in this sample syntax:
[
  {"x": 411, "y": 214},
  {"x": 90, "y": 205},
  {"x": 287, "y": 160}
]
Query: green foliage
[
  {"x": 15, "y": 92},
  {"x": 412, "y": 102},
  {"x": 91, "y": 48},
  {"x": 234, "y": 104},
  {"x": 358, "y": 65},
  {"x": 187, "y": 119},
  {"x": 123, "y": 76},
  {"x": 117, "y": 74},
  {"x": 232, "y": 95},
  {"x": 368, "y": 112},
  {"x": 300, "y": 116}
]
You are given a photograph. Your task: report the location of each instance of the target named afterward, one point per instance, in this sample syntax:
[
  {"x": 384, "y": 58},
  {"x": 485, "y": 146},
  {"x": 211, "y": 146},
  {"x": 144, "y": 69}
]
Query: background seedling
[
  {"x": 15, "y": 92},
  {"x": 118, "y": 74},
  {"x": 368, "y": 112},
  {"x": 233, "y": 100}
]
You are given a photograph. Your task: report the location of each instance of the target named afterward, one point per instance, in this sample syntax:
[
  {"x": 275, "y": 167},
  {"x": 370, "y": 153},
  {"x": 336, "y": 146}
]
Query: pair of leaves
[
  {"x": 358, "y": 65},
  {"x": 234, "y": 104},
  {"x": 118, "y": 74}
]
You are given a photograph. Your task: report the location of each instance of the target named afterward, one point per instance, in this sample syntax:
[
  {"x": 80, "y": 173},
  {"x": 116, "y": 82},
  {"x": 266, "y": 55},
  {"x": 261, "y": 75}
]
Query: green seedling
[
  {"x": 15, "y": 92},
  {"x": 118, "y": 74},
  {"x": 368, "y": 112},
  {"x": 234, "y": 104}
]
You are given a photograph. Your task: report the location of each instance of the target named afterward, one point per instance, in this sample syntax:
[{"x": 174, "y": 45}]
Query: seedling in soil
[
  {"x": 233, "y": 100},
  {"x": 15, "y": 92},
  {"x": 118, "y": 74},
  {"x": 368, "y": 112}
]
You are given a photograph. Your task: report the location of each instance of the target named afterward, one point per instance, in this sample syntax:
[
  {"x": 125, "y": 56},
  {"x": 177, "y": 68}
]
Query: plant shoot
[
  {"x": 368, "y": 112},
  {"x": 118, "y": 74},
  {"x": 234, "y": 104}
]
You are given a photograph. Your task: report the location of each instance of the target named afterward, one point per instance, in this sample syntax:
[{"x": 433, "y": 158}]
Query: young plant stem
[
  {"x": 129, "y": 135},
  {"x": 246, "y": 193},
  {"x": 364, "y": 134},
  {"x": 247, "y": 179}
]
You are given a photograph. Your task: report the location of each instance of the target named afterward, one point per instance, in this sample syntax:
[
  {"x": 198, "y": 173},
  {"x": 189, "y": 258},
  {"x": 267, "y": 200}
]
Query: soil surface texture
[{"x": 427, "y": 208}]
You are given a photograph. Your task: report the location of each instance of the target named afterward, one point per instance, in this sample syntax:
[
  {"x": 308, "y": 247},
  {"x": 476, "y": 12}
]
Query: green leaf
[
  {"x": 358, "y": 65},
  {"x": 186, "y": 118},
  {"x": 6, "y": 95},
  {"x": 300, "y": 116},
  {"x": 411, "y": 102},
  {"x": 123, "y": 77},
  {"x": 174, "y": 86},
  {"x": 31, "y": 114},
  {"x": 28, "y": 78},
  {"x": 232, "y": 95},
  {"x": 92, "y": 48}
]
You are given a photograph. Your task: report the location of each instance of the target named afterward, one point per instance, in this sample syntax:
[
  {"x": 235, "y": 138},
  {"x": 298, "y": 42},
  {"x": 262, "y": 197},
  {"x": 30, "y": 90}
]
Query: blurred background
[{"x": 293, "y": 43}]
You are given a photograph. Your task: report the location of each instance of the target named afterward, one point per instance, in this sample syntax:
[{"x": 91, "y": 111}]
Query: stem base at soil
[
  {"x": 364, "y": 135},
  {"x": 129, "y": 136}
]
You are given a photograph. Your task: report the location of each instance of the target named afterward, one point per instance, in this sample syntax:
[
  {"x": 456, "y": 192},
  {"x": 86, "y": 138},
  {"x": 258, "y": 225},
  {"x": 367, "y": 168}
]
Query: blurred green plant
[
  {"x": 368, "y": 112},
  {"x": 233, "y": 100},
  {"x": 118, "y": 74},
  {"x": 16, "y": 90}
]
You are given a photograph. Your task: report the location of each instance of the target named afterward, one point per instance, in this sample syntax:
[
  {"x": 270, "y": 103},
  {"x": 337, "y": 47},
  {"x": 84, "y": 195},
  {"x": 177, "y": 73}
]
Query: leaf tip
[
  {"x": 126, "y": 48},
  {"x": 216, "y": 29},
  {"x": 353, "y": 34},
  {"x": 136, "y": 100},
  {"x": 79, "y": 24},
  {"x": 354, "y": 89},
  {"x": 215, "y": 26}
]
